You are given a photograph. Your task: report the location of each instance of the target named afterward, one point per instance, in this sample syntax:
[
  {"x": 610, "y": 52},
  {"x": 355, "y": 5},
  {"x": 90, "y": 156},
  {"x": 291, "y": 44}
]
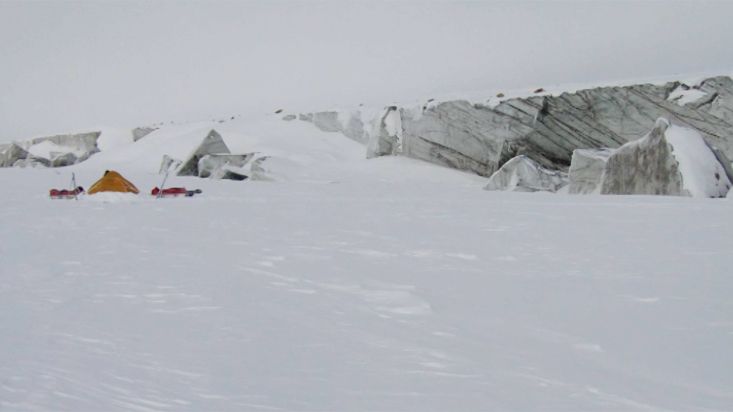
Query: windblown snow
[
  {"x": 703, "y": 175},
  {"x": 351, "y": 284}
]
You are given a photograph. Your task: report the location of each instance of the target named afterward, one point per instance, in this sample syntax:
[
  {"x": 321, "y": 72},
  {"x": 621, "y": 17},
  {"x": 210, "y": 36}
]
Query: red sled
[
  {"x": 174, "y": 192},
  {"x": 65, "y": 194}
]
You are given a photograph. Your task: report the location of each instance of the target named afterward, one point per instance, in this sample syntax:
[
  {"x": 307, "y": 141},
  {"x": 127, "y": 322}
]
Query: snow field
[{"x": 353, "y": 284}]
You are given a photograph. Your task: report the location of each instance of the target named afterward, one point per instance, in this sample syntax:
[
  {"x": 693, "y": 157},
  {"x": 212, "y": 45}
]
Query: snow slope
[
  {"x": 702, "y": 173},
  {"x": 383, "y": 284}
]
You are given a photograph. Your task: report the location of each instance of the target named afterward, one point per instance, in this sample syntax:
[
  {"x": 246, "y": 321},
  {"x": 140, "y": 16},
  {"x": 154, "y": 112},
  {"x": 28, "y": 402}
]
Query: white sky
[{"x": 79, "y": 65}]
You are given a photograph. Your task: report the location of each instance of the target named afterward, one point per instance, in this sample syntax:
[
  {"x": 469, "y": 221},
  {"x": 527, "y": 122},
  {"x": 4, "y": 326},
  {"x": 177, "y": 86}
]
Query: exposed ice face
[
  {"x": 454, "y": 134},
  {"x": 718, "y": 100},
  {"x": 670, "y": 160},
  {"x": 386, "y": 136},
  {"x": 587, "y": 170},
  {"x": 51, "y": 151},
  {"x": 546, "y": 127},
  {"x": 225, "y": 166},
  {"x": 212, "y": 144},
  {"x": 11, "y": 154},
  {"x": 644, "y": 166},
  {"x": 140, "y": 132}
]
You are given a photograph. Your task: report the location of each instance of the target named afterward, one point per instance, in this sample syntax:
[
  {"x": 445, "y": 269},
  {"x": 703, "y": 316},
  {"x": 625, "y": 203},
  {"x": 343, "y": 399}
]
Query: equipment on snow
[
  {"x": 113, "y": 182},
  {"x": 73, "y": 184},
  {"x": 65, "y": 194},
  {"x": 174, "y": 192}
]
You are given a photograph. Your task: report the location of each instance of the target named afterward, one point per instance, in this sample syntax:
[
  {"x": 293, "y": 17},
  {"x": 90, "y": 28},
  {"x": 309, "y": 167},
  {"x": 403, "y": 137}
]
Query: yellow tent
[{"x": 112, "y": 182}]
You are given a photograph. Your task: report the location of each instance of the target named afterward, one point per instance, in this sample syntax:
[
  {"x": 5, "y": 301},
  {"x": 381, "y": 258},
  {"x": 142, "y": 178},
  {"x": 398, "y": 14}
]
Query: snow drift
[{"x": 522, "y": 174}]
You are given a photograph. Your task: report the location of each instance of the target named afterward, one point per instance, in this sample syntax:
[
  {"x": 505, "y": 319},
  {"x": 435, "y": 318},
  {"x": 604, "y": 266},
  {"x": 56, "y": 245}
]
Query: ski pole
[
  {"x": 162, "y": 185},
  {"x": 73, "y": 185}
]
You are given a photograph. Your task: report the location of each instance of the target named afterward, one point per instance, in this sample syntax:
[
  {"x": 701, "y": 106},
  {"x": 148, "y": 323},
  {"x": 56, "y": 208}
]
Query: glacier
[
  {"x": 480, "y": 136},
  {"x": 329, "y": 281}
]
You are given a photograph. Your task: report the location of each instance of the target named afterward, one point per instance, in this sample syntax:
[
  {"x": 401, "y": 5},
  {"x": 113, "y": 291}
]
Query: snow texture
[
  {"x": 347, "y": 123},
  {"x": 354, "y": 284}
]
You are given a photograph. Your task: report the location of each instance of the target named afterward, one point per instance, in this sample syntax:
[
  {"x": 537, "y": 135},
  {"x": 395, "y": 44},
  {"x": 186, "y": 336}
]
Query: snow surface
[
  {"x": 383, "y": 284},
  {"x": 702, "y": 173},
  {"x": 683, "y": 96}
]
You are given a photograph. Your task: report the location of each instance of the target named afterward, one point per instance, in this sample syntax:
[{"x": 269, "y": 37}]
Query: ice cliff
[
  {"x": 481, "y": 137},
  {"x": 50, "y": 151}
]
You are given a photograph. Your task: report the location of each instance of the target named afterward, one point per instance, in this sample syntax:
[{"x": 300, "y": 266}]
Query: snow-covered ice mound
[
  {"x": 670, "y": 160},
  {"x": 113, "y": 197},
  {"x": 522, "y": 174},
  {"x": 50, "y": 151}
]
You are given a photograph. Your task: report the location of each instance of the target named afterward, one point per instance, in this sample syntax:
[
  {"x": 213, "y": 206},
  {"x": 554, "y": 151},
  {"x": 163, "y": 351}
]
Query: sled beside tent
[
  {"x": 113, "y": 182},
  {"x": 65, "y": 193}
]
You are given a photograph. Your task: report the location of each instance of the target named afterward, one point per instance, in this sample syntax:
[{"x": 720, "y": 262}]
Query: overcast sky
[{"x": 67, "y": 65}]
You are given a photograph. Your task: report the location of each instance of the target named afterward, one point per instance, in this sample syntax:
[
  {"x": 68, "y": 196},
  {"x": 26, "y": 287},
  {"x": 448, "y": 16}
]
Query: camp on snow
[{"x": 113, "y": 182}]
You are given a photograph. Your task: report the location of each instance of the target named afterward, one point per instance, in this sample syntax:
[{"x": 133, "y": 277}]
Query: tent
[{"x": 112, "y": 182}]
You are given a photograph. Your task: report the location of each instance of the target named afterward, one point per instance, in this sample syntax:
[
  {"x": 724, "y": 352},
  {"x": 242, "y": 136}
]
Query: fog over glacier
[{"x": 79, "y": 65}]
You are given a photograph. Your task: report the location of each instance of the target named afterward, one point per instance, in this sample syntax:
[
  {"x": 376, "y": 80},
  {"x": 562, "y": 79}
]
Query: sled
[
  {"x": 174, "y": 192},
  {"x": 65, "y": 194}
]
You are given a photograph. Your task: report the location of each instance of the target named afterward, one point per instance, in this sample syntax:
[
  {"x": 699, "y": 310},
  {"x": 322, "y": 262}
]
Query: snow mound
[
  {"x": 522, "y": 174},
  {"x": 349, "y": 123},
  {"x": 702, "y": 174},
  {"x": 273, "y": 169},
  {"x": 48, "y": 150},
  {"x": 112, "y": 197},
  {"x": 684, "y": 94}
]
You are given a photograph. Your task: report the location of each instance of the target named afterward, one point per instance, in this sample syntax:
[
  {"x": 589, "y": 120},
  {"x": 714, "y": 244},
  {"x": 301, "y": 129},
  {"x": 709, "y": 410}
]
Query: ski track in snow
[{"x": 403, "y": 287}]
